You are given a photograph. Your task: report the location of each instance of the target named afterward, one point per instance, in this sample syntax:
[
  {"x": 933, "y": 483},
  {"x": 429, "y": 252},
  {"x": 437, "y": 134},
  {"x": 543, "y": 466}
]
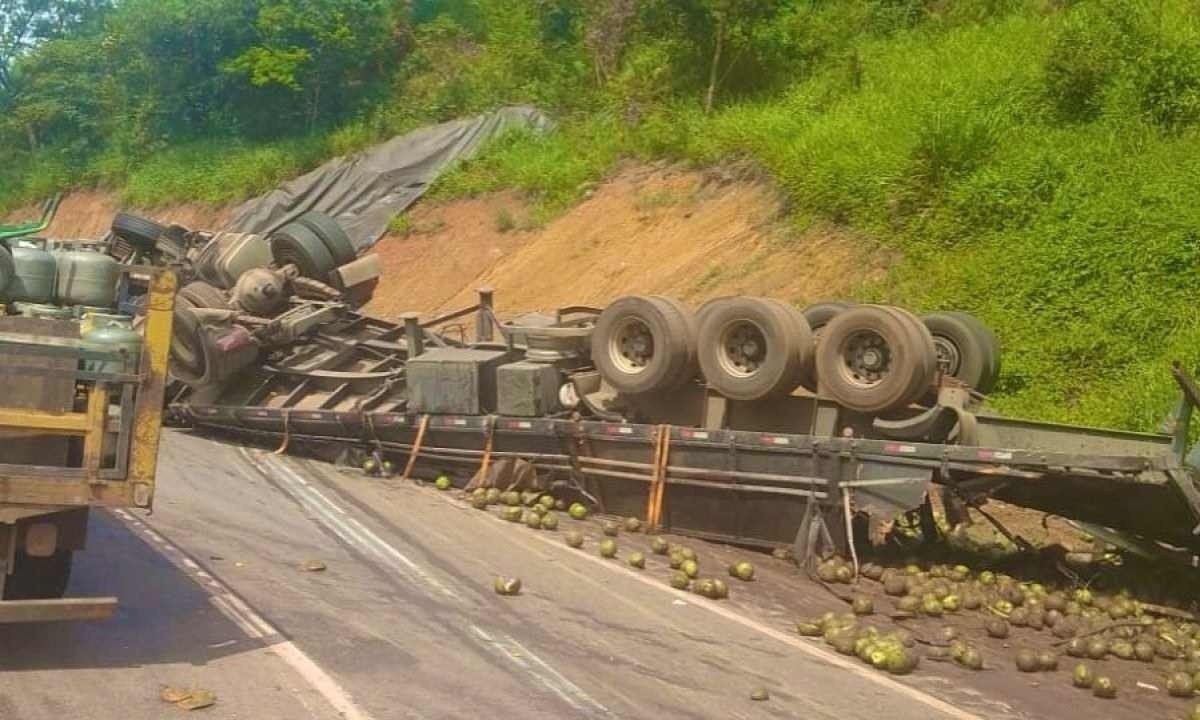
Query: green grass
[{"x": 1078, "y": 242}]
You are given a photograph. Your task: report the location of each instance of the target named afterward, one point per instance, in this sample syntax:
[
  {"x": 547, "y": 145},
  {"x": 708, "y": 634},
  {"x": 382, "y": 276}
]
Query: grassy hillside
[
  {"x": 1032, "y": 160},
  {"x": 1068, "y": 221}
]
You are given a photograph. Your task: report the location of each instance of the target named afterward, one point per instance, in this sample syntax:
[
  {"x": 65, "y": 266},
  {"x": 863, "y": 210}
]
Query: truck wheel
[
  {"x": 203, "y": 295},
  {"x": 139, "y": 232},
  {"x": 992, "y": 345},
  {"x": 962, "y": 349},
  {"x": 751, "y": 348},
  {"x": 819, "y": 314},
  {"x": 337, "y": 242},
  {"x": 297, "y": 245},
  {"x": 186, "y": 353},
  {"x": 872, "y": 359},
  {"x": 39, "y": 578},
  {"x": 642, "y": 344},
  {"x": 692, "y": 368}
]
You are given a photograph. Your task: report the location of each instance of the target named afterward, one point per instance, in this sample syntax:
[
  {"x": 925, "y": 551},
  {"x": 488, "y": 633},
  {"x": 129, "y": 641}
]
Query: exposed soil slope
[
  {"x": 89, "y": 213},
  {"x": 690, "y": 234}
]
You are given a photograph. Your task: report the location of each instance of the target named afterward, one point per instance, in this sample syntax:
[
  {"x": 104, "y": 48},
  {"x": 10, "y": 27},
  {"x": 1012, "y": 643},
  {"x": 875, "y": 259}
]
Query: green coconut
[
  {"x": 610, "y": 528},
  {"x": 574, "y": 539},
  {"x": 742, "y": 570},
  {"x": 550, "y": 521},
  {"x": 578, "y": 511},
  {"x": 1104, "y": 687},
  {"x": 690, "y": 568},
  {"x": 442, "y": 482},
  {"x": 632, "y": 525},
  {"x": 637, "y": 560},
  {"x": 659, "y": 546},
  {"x": 1027, "y": 661},
  {"x": 608, "y": 548},
  {"x": 1082, "y": 676},
  {"x": 679, "y": 581},
  {"x": 863, "y": 605}
]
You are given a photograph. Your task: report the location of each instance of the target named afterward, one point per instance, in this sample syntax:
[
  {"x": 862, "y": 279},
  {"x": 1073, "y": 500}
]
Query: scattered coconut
[
  {"x": 1082, "y": 676},
  {"x": 971, "y": 658},
  {"x": 370, "y": 466},
  {"x": 996, "y": 627},
  {"x": 550, "y": 521},
  {"x": 759, "y": 695},
  {"x": 632, "y": 525},
  {"x": 637, "y": 560},
  {"x": 546, "y": 501},
  {"x": 863, "y": 605},
  {"x": 578, "y": 511},
  {"x": 610, "y": 528},
  {"x": 1103, "y": 687},
  {"x": 507, "y": 585},
  {"x": 679, "y": 581},
  {"x": 1047, "y": 660},
  {"x": 388, "y": 468},
  {"x": 675, "y": 560},
  {"x": 659, "y": 546},
  {"x": 690, "y": 568},
  {"x": 742, "y": 570},
  {"x": 608, "y": 548},
  {"x": 533, "y": 520},
  {"x": 574, "y": 539},
  {"x": 442, "y": 482},
  {"x": 808, "y": 628},
  {"x": 493, "y": 495},
  {"x": 1027, "y": 661},
  {"x": 1179, "y": 684}
]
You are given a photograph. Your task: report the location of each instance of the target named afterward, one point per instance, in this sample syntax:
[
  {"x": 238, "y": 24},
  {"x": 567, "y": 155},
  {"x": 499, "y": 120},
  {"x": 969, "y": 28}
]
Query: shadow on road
[{"x": 164, "y": 616}]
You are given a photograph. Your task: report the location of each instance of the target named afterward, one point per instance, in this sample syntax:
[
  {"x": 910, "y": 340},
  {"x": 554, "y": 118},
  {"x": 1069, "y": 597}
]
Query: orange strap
[
  {"x": 662, "y": 452},
  {"x": 487, "y": 449},
  {"x": 416, "y": 448},
  {"x": 287, "y": 414}
]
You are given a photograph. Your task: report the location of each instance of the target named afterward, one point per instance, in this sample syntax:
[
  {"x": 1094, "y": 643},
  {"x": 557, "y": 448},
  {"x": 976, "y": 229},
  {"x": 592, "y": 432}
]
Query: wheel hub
[
  {"x": 743, "y": 348},
  {"x": 948, "y": 356},
  {"x": 866, "y": 358},
  {"x": 632, "y": 346}
]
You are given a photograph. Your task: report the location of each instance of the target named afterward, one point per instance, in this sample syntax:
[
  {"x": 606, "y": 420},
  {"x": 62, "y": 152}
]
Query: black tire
[
  {"x": 39, "y": 578},
  {"x": 819, "y": 314},
  {"x": 203, "y": 295},
  {"x": 692, "y": 369},
  {"x": 139, "y": 232},
  {"x": 926, "y": 371},
  {"x": 8, "y": 269},
  {"x": 187, "y": 356},
  {"x": 752, "y": 348},
  {"x": 873, "y": 359},
  {"x": 962, "y": 348},
  {"x": 297, "y": 245},
  {"x": 332, "y": 234},
  {"x": 993, "y": 349},
  {"x": 643, "y": 344}
]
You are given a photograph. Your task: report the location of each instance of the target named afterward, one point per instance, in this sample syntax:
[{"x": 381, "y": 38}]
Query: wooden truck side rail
[{"x": 116, "y": 467}]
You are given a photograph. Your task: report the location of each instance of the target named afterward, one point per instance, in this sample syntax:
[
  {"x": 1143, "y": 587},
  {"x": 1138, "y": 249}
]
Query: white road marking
[
  {"x": 551, "y": 679},
  {"x": 252, "y": 624},
  {"x": 322, "y": 509},
  {"x": 353, "y": 532}
]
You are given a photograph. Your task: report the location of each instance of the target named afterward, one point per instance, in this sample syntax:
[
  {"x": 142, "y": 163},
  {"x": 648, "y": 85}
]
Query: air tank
[
  {"x": 87, "y": 277},
  {"x": 34, "y": 270},
  {"x": 116, "y": 332}
]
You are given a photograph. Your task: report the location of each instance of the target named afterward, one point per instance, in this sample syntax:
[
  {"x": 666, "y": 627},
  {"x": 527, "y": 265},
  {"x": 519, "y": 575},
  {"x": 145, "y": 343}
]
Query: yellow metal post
[
  {"x": 93, "y": 439},
  {"x": 147, "y": 414}
]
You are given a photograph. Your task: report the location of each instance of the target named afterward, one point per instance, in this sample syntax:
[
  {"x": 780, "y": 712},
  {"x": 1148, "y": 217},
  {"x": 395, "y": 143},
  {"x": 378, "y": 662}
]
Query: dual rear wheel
[{"x": 869, "y": 358}]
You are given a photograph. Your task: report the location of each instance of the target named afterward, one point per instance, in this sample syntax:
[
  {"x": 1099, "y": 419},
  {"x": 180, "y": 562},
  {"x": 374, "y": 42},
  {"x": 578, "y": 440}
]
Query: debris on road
[
  {"x": 189, "y": 699},
  {"x": 507, "y": 585},
  {"x": 760, "y": 694},
  {"x": 313, "y": 566}
]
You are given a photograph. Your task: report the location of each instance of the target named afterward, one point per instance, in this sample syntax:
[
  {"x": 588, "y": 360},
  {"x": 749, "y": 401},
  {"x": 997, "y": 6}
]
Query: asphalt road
[{"x": 403, "y": 622}]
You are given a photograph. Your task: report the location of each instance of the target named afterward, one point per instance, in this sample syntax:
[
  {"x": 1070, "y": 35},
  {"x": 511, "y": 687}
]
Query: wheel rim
[
  {"x": 743, "y": 348},
  {"x": 948, "y": 356},
  {"x": 631, "y": 347},
  {"x": 866, "y": 359}
]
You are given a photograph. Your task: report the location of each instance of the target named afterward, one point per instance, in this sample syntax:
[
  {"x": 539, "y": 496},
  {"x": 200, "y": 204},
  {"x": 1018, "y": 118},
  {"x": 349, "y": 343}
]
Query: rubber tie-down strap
[{"x": 416, "y": 448}]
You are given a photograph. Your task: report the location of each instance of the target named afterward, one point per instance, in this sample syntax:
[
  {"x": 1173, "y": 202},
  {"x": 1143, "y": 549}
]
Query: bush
[{"x": 1167, "y": 81}]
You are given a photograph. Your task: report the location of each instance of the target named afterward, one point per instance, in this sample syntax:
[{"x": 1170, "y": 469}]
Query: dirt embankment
[
  {"x": 691, "y": 234},
  {"x": 86, "y": 214}
]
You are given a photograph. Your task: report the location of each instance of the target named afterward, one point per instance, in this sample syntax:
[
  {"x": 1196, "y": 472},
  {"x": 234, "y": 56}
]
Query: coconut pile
[
  {"x": 902, "y": 615},
  {"x": 540, "y": 511}
]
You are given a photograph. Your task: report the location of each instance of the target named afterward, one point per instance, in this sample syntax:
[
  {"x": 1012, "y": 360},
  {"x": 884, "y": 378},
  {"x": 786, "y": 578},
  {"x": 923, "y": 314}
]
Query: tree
[
  {"x": 25, "y": 23},
  {"x": 317, "y": 47}
]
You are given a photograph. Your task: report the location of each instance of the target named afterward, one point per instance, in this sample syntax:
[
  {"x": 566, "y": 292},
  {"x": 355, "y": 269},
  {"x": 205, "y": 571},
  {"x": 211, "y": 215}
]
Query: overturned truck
[{"x": 745, "y": 420}]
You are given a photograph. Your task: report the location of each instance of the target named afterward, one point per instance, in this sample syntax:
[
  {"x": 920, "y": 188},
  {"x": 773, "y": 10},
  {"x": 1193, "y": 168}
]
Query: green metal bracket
[
  {"x": 1181, "y": 417},
  {"x": 49, "y": 209}
]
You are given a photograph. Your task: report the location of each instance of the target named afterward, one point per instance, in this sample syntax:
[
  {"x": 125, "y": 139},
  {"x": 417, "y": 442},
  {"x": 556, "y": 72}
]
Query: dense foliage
[{"x": 1031, "y": 160}]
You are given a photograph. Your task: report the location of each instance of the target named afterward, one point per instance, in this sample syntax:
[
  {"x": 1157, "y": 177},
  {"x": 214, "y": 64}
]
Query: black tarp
[{"x": 365, "y": 191}]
